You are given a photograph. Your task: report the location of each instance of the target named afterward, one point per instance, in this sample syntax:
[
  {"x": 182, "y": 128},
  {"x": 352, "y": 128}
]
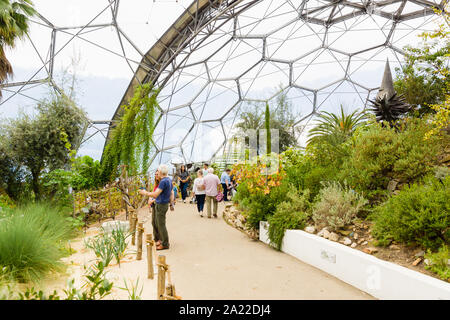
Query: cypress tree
[{"x": 267, "y": 125}]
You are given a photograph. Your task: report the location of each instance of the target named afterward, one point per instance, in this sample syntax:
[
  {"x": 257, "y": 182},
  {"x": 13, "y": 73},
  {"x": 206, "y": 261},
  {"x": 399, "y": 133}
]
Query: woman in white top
[{"x": 199, "y": 191}]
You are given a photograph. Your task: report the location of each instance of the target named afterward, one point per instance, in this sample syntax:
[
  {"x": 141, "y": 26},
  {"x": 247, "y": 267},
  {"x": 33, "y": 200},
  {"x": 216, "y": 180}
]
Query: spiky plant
[
  {"x": 389, "y": 109},
  {"x": 14, "y": 20},
  {"x": 335, "y": 128}
]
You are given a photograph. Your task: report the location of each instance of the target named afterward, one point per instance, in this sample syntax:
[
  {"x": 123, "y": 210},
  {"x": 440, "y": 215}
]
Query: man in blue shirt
[
  {"x": 164, "y": 197},
  {"x": 225, "y": 181}
]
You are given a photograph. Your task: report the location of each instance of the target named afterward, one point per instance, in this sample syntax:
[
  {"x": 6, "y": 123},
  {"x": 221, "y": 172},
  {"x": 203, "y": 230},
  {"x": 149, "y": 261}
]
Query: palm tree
[
  {"x": 13, "y": 25},
  {"x": 335, "y": 127}
]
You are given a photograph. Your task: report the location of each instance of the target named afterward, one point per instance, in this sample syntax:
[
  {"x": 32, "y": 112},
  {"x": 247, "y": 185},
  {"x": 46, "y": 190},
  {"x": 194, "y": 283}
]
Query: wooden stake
[
  {"x": 150, "y": 243},
  {"x": 162, "y": 267},
  {"x": 140, "y": 230},
  {"x": 133, "y": 222}
]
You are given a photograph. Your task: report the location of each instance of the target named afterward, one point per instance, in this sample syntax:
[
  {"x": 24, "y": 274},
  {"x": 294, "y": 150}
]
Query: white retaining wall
[{"x": 379, "y": 278}]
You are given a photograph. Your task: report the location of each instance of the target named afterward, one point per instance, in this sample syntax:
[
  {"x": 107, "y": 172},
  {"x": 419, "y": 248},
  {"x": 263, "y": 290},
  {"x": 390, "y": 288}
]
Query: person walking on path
[
  {"x": 184, "y": 182},
  {"x": 205, "y": 169},
  {"x": 226, "y": 183},
  {"x": 151, "y": 203},
  {"x": 164, "y": 198},
  {"x": 199, "y": 192},
  {"x": 211, "y": 182}
]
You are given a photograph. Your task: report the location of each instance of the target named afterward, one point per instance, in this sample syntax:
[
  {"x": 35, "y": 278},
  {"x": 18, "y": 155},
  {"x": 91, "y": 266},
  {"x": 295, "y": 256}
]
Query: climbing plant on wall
[{"x": 131, "y": 139}]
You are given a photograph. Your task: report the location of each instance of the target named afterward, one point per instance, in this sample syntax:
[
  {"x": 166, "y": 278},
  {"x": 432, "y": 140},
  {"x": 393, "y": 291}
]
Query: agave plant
[
  {"x": 389, "y": 109},
  {"x": 335, "y": 127}
]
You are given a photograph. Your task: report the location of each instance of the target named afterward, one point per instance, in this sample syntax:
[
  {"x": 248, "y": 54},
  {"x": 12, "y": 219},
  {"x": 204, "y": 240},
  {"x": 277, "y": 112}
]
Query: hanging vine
[{"x": 131, "y": 139}]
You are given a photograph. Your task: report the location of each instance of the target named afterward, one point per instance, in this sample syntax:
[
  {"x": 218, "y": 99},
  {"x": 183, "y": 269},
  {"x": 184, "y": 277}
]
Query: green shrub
[
  {"x": 306, "y": 170},
  {"x": 418, "y": 214},
  {"x": 381, "y": 154},
  {"x": 259, "y": 206},
  {"x": 31, "y": 238},
  {"x": 290, "y": 214},
  {"x": 439, "y": 262},
  {"x": 337, "y": 206},
  {"x": 6, "y": 202}
]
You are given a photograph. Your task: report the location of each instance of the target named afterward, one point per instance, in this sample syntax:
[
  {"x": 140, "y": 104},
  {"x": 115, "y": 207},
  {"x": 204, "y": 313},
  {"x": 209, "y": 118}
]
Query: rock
[
  {"x": 360, "y": 240},
  {"x": 322, "y": 232},
  {"x": 344, "y": 232},
  {"x": 394, "y": 247},
  {"x": 365, "y": 243},
  {"x": 310, "y": 229},
  {"x": 347, "y": 241},
  {"x": 419, "y": 254},
  {"x": 392, "y": 185},
  {"x": 355, "y": 236},
  {"x": 427, "y": 262},
  {"x": 417, "y": 261},
  {"x": 353, "y": 245},
  {"x": 370, "y": 250},
  {"x": 333, "y": 236},
  {"x": 326, "y": 234}
]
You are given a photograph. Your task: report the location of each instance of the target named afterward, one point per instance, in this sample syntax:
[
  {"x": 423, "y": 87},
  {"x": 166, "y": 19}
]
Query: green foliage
[
  {"x": 267, "y": 127},
  {"x": 86, "y": 173},
  {"x": 280, "y": 118},
  {"x": 439, "y": 262},
  {"x": 6, "y": 202},
  {"x": 337, "y": 206},
  {"x": 134, "y": 293},
  {"x": 423, "y": 78},
  {"x": 14, "y": 24},
  {"x": 106, "y": 246},
  {"x": 259, "y": 206},
  {"x": 335, "y": 128},
  {"x": 40, "y": 143},
  {"x": 418, "y": 214},
  {"x": 290, "y": 214},
  {"x": 30, "y": 241},
  {"x": 380, "y": 154},
  {"x": 96, "y": 287},
  {"x": 131, "y": 140}
]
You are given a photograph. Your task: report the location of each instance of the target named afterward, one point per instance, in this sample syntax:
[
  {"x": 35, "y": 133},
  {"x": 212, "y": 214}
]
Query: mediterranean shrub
[
  {"x": 418, "y": 214},
  {"x": 381, "y": 154},
  {"x": 292, "y": 213},
  {"x": 337, "y": 206}
]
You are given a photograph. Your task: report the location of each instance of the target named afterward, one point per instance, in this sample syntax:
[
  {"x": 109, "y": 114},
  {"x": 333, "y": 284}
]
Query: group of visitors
[{"x": 206, "y": 189}]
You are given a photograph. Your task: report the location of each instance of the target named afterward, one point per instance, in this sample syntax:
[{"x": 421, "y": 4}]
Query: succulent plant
[{"x": 389, "y": 109}]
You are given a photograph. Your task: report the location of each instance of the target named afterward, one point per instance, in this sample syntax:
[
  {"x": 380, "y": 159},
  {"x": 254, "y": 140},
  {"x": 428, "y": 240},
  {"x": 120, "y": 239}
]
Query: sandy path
[{"x": 211, "y": 260}]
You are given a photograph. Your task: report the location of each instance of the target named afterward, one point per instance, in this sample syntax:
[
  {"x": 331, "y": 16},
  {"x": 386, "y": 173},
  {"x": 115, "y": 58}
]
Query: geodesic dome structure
[{"x": 218, "y": 56}]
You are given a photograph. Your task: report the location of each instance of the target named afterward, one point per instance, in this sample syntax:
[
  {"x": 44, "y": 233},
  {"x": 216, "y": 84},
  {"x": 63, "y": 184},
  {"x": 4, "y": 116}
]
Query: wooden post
[
  {"x": 150, "y": 243},
  {"x": 133, "y": 222},
  {"x": 162, "y": 267},
  {"x": 140, "y": 230}
]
